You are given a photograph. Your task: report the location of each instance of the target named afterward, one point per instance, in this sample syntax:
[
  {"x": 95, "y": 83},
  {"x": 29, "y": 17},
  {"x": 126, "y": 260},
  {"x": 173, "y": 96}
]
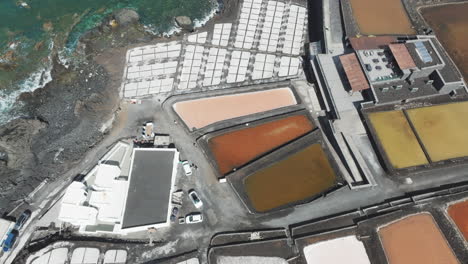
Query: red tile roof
[
  {"x": 402, "y": 56},
  {"x": 356, "y": 77},
  {"x": 365, "y": 43}
]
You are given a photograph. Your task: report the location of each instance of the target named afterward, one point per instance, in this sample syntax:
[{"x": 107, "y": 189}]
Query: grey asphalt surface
[{"x": 149, "y": 189}]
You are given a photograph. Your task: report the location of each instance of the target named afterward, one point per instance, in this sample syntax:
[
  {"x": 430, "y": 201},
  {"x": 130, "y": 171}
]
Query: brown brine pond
[
  {"x": 416, "y": 239},
  {"x": 381, "y": 17},
  {"x": 300, "y": 176},
  {"x": 459, "y": 214},
  {"x": 450, "y": 24},
  {"x": 234, "y": 149}
]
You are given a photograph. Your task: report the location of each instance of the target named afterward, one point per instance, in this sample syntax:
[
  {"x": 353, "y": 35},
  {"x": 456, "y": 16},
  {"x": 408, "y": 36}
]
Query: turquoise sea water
[{"x": 28, "y": 33}]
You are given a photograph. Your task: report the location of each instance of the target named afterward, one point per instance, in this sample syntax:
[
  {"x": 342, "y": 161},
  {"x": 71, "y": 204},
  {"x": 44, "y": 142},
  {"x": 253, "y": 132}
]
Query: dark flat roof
[
  {"x": 149, "y": 189},
  {"x": 393, "y": 95},
  {"x": 450, "y": 71},
  {"x": 417, "y": 59}
]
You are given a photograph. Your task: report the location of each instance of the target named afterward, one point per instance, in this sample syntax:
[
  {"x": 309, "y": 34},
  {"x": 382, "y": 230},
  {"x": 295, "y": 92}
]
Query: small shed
[{"x": 162, "y": 140}]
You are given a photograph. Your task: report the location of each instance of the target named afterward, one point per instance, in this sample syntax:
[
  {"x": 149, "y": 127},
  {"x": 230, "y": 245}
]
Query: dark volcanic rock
[
  {"x": 107, "y": 35},
  {"x": 3, "y": 155},
  {"x": 126, "y": 16},
  {"x": 16, "y": 139},
  {"x": 69, "y": 112},
  {"x": 67, "y": 115}
]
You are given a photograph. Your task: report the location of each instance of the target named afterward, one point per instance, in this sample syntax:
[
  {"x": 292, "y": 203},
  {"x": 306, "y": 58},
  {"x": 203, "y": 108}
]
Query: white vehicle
[
  {"x": 195, "y": 199},
  {"x": 187, "y": 168},
  {"x": 194, "y": 218}
]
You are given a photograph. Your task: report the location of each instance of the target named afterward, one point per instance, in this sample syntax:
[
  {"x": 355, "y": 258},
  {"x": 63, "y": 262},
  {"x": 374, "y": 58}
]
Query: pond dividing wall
[
  {"x": 233, "y": 149},
  {"x": 381, "y": 17},
  {"x": 299, "y": 176},
  {"x": 202, "y": 112},
  {"x": 450, "y": 23}
]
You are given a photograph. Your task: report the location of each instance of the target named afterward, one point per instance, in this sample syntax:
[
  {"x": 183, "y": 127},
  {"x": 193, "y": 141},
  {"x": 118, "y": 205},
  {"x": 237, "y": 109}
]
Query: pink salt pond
[{"x": 202, "y": 112}]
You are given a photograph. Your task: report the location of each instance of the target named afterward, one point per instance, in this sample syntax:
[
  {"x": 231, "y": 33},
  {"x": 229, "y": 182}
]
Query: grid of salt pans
[
  {"x": 155, "y": 52},
  {"x": 248, "y": 21},
  {"x": 162, "y": 68},
  {"x": 288, "y": 66},
  {"x": 115, "y": 256},
  {"x": 238, "y": 67},
  {"x": 85, "y": 256},
  {"x": 263, "y": 66},
  {"x": 271, "y": 26},
  {"x": 191, "y": 66},
  {"x": 148, "y": 86},
  {"x": 198, "y": 38},
  {"x": 221, "y": 34},
  {"x": 151, "y": 69},
  {"x": 55, "y": 256},
  {"x": 294, "y": 30},
  {"x": 214, "y": 66}
]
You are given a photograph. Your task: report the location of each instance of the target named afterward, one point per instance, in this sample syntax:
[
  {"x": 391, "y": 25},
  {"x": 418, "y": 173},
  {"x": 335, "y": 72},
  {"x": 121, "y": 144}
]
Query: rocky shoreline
[{"x": 66, "y": 118}]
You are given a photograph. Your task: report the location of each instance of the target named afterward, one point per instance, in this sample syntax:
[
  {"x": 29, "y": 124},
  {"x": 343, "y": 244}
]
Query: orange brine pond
[
  {"x": 450, "y": 24},
  {"x": 415, "y": 239},
  {"x": 459, "y": 214},
  {"x": 302, "y": 175},
  {"x": 381, "y": 17},
  {"x": 202, "y": 112},
  {"x": 234, "y": 149}
]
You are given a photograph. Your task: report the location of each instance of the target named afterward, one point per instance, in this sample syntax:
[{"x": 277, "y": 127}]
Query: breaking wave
[
  {"x": 9, "y": 106},
  {"x": 201, "y": 22}
]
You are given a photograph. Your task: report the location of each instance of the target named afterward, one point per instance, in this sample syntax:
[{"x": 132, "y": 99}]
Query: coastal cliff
[{"x": 65, "y": 118}]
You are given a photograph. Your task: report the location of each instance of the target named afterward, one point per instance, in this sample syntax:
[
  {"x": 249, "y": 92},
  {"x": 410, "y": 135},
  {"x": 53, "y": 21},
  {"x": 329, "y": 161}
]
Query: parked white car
[
  {"x": 195, "y": 199},
  {"x": 187, "y": 168},
  {"x": 194, "y": 218}
]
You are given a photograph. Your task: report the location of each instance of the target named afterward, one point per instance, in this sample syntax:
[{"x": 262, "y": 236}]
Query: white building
[
  {"x": 102, "y": 203},
  {"x": 127, "y": 191}
]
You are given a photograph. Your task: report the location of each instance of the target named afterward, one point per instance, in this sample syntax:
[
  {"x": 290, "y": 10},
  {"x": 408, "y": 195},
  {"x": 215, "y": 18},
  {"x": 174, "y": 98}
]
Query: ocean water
[{"x": 31, "y": 29}]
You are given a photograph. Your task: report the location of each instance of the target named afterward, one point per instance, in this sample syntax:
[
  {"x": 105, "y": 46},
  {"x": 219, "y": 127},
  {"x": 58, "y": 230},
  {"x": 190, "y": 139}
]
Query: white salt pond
[
  {"x": 55, "y": 256},
  {"x": 340, "y": 250}
]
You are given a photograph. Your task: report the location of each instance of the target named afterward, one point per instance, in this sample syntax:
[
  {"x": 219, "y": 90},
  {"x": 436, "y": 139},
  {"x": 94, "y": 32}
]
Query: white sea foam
[
  {"x": 171, "y": 31},
  {"x": 175, "y": 29},
  {"x": 63, "y": 58},
  {"x": 201, "y": 22},
  {"x": 8, "y": 99},
  {"x": 150, "y": 28},
  {"x": 36, "y": 80}
]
